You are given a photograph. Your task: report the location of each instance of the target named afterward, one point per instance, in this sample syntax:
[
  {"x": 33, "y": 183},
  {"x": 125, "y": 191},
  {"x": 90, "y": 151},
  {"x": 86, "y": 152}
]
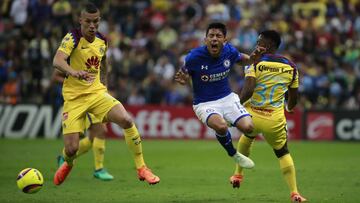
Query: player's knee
[
  {"x": 248, "y": 128},
  {"x": 282, "y": 151},
  {"x": 127, "y": 122},
  {"x": 245, "y": 125},
  {"x": 71, "y": 149},
  {"x": 221, "y": 128}
]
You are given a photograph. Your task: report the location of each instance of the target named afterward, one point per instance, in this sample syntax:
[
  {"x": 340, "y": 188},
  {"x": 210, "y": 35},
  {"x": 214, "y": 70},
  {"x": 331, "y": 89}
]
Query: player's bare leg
[
  {"x": 71, "y": 142},
  {"x": 119, "y": 116}
]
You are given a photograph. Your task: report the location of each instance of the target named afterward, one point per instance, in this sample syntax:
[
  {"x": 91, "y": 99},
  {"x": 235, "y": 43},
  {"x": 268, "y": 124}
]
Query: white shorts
[{"x": 228, "y": 107}]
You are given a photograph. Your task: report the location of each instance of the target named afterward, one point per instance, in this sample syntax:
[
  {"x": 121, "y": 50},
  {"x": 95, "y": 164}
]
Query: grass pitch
[{"x": 190, "y": 171}]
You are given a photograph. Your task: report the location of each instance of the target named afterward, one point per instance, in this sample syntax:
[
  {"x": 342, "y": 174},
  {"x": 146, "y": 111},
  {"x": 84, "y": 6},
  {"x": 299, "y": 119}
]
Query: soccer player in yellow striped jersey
[
  {"x": 81, "y": 56},
  {"x": 263, "y": 95}
]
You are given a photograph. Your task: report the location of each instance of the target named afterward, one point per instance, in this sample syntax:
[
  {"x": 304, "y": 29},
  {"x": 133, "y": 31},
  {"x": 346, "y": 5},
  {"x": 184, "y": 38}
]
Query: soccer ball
[{"x": 30, "y": 180}]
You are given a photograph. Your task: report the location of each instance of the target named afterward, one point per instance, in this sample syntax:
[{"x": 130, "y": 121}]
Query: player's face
[
  {"x": 214, "y": 41},
  {"x": 263, "y": 42},
  {"x": 89, "y": 24}
]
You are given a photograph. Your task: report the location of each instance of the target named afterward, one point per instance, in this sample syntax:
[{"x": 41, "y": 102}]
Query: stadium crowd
[{"x": 149, "y": 38}]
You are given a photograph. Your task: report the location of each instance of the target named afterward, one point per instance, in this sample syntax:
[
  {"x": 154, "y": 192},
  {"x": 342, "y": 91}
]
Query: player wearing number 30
[
  {"x": 214, "y": 102},
  {"x": 266, "y": 83}
]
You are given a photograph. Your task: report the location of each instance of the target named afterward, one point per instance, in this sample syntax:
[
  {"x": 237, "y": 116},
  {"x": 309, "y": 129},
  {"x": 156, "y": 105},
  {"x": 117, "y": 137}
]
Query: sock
[
  {"x": 226, "y": 142},
  {"x": 133, "y": 141},
  {"x": 69, "y": 159},
  {"x": 99, "y": 150},
  {"x": 84, "y": 146},
  {"x": 288, "y": 171},
  {"x": 244, "y": 147}
]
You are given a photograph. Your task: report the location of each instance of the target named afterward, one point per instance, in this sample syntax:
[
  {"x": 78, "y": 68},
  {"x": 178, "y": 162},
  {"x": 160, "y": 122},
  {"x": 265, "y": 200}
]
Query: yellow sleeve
[
  {"x": 249, "y": 71},
  {"x": 295, "y": 82},
  {"x": 67, "y": 44}
]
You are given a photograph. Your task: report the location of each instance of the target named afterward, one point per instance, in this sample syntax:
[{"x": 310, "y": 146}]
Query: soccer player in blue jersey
[
  {"x": 214, "y": 103},
  {"x": 263, "y": 94}
]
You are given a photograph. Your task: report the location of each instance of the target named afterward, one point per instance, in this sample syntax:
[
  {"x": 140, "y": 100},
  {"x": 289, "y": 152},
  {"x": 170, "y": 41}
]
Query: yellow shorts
[
  {"x": 90, "y": 119},
  {"x": 97, "y": 105},
  {"x": 272, "y": 127}
]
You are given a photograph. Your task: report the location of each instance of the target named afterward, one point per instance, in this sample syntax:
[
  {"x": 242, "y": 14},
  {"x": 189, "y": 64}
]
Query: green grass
[{"x": 190, "y": 171}]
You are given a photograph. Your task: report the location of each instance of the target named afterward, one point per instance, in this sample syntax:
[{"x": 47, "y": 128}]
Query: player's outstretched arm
[
  {"x": 248, "y": 89},
  {"x": 182, "y": 76},
  {"x": 292, "y": 99}
]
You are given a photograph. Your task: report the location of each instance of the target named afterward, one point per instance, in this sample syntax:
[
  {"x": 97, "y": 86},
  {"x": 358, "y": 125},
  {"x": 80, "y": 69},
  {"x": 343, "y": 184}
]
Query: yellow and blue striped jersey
[
  {"x": 274, "y": 74},
  {"x": 86, "y": 56}
]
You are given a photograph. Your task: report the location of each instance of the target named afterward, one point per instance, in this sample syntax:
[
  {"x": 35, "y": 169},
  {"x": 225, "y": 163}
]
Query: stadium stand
[{"x": 148, "y": 40}]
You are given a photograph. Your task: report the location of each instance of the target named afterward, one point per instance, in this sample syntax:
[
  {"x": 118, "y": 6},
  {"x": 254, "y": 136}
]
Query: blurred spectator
[
  {"x": 19, "y": 12},
  {"x": 10, "y": 93},
  {"x": 136, "y": 98},
  {"x": 163, "y": 69}
]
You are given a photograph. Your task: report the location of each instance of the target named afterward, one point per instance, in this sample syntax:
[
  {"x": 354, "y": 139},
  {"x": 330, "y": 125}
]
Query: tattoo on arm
[{"x": 103, "y": 72}]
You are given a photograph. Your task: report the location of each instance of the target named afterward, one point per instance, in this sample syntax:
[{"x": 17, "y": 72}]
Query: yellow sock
[
  {"x": 288, "y": 170},
  {"x": 99, "y": 150},
  {"x": 69, "y": 160},
  {"x": 84, "y": 146},
  {"x": 244, "y": 147},
  {"x": 133, "y": 141}
]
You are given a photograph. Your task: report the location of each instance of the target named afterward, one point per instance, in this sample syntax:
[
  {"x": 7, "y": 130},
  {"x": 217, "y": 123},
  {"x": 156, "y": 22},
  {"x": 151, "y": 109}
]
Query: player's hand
[
  {"x": 182, "y": 76},
  {"x": 257, "y": 53},
  {"x": 83, "y": 75}
]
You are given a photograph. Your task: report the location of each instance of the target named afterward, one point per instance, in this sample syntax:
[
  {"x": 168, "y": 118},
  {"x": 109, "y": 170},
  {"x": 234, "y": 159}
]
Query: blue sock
[{"x": 226, "y": 142}]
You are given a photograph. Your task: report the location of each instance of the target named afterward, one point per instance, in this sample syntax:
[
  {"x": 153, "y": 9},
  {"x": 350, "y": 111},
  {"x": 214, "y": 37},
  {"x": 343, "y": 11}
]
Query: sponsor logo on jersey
[
  {"x": 92, "y": 62},
  {"x": 205, "y": 78}
]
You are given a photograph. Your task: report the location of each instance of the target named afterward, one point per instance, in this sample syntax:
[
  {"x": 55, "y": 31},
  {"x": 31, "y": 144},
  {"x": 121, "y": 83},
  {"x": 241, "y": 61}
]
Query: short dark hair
[
  {"x": 273, "y": 36},
  {"x": 90, "y": 8},
  {"x": 216, "y": 25}
]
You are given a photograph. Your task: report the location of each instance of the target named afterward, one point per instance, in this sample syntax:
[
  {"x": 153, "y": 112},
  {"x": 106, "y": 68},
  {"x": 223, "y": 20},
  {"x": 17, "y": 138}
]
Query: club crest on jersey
[
  {"x": 205, "y": 78},
  {"x": 92, "y": 62},
  {"x": 209, "y": 110},
  {"x": 102, "y": 50},
  {"x": 227, "y": 63}
]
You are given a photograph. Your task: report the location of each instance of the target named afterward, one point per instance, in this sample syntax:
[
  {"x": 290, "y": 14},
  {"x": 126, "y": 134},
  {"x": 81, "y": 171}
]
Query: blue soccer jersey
[{"x": 210, "y": 75}]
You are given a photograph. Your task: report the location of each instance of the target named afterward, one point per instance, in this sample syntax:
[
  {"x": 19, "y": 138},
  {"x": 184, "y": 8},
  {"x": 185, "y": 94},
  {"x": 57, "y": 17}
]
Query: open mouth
[{"x": 214, "y": 47}]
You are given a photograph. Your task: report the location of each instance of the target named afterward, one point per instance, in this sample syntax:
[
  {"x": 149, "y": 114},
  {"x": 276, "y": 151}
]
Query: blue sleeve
[
  {"x": 188, "y": 63},
  {"x": 236, "y": 56}
]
